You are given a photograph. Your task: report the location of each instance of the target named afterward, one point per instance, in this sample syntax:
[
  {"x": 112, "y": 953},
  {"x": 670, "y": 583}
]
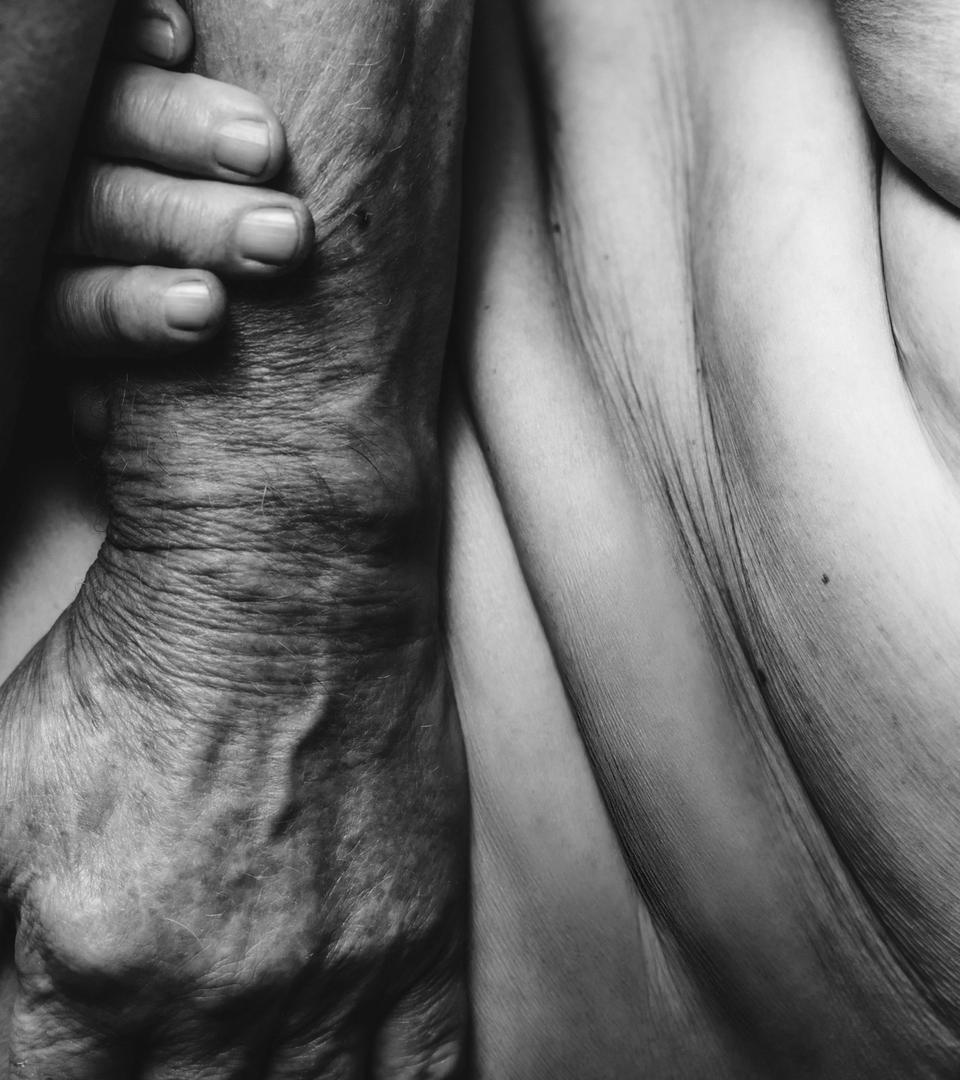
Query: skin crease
[
  {"x": 746, "y": 869},
  {"x": 776, "y": 505},
  {"x": 903, "y": 54}
]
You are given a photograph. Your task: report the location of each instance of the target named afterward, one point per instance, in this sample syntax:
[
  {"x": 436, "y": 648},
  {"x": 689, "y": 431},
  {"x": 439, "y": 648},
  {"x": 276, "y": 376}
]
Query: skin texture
[
  {"x": 701, "y": 561},
  {"x": 903, "y": 55},
  {"x": 91, "y": 312},
  {"x": 233, "y": 790},
  {"x": 149, "y": 134},
  {"x": 699, "y": 558}
]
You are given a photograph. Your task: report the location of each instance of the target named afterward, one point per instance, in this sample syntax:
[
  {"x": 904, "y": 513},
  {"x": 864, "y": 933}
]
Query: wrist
[{"x": 215, "y": 636}]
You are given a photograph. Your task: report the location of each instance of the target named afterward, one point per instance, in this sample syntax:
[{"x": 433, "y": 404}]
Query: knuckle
[
  {"x": 442, "y": 1062},
  {"x": 235, "y": 978},
  {"x": 106, "y": 310},
  {"x": 173, "y": 99},
  {"x": 76, "y": 944},
  {"x": 172, "y": 222},
  {"x": 373, "y": 929},
  {"x": 94, "y": 192},
  {"x": 125, "y": 209},
  {"x": 108, "y": 209},
  {"x": 59, "y": 311}
]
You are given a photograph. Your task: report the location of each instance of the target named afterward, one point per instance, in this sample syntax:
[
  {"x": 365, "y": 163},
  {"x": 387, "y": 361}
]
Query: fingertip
[
  {"x": 186, "y": 123},
  {"x": 182, "y": 32},
  {"x": 131, "y": 311},
  {"x": 272, "y": 240},
  {"x": 154, "y": 32},
  {"x": 194, "y": 308},
  {"x": 249, "y": 149}
]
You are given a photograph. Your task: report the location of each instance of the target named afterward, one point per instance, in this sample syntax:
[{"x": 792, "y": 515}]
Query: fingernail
[
  {"x": 154, "y": 36},
  {"x": 243, "y": 146},
  {"x": 269, "y": 236},
  {"x": 187, "y": 306}
]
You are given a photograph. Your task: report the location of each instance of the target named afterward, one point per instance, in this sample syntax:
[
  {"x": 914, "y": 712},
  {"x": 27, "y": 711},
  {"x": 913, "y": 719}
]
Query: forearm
[{"x": 289, "y": 491}]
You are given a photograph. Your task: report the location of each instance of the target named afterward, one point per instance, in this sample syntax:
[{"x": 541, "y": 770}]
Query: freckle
[
  {"x": 761, "y": 678},
  {"x": 556, "y": 228},
  {"x": 825, "y": 579},
  {"x": 362, "y": 216}
]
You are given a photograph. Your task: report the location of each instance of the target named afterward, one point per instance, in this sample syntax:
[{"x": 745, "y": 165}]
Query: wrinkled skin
[
  {"x": 233, "y": 799},
  {"x": 903, "y": 56},
  {"x": 700, "y": 578},
  {"x": 703, "y": 574}
]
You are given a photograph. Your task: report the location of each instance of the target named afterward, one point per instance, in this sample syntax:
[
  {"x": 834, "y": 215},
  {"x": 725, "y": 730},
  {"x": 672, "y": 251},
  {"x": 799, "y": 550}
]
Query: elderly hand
[
  {"x": 234, "y": 797},
  {"x": 155, "y": 214}
]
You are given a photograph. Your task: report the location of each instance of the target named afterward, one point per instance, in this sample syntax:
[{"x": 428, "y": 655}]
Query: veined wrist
[{"x": 209, "y": 626}]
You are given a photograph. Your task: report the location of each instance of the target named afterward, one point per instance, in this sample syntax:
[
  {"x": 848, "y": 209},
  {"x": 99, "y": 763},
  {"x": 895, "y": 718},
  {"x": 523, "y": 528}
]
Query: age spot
[{"x": 96, "y": 809}]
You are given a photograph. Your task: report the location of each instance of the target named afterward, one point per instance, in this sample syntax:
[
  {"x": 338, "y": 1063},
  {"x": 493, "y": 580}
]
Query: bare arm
[{"x": 242, "y": 730}]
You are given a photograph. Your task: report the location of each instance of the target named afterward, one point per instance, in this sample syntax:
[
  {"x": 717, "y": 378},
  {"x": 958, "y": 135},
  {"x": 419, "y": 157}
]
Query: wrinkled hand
[
  {"x": 231, "y": 895},
  {"x": 155, "y": 214},
  {"x": 232, "y": 787}
]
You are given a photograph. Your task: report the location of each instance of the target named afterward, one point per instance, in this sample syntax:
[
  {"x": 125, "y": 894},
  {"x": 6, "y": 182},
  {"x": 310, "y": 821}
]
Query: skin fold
[
  {"x": 722, "y": 533},
  {"x": 699, "y": 571},
  {"x": 903, "y": 56}
]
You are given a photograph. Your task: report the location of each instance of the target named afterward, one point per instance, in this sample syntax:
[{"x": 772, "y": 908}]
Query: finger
[
  {"x": 67, "y": 1014},
  {"x": 118, "y": 310},
  {"x": 186, "y": 1052},
  {"x": 47, "y": 1038},
  {"x": 125, "y": 213},
  {"x": 425, "y": 1038},
  {"x": 332, "y": 1052},
  {"x": 185, "y": 123},
  {"x": 153, "y": 31},
  {"x": 323, "y": 1064},
  {"x": 232, "y": 1064},
  {"x": 47, "y": 1043}
]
